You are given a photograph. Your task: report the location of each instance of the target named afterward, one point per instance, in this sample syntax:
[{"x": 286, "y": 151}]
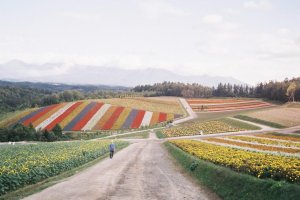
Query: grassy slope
[
  {"x": 259, "y": 121},
  {"x": 232, "y": 185}
]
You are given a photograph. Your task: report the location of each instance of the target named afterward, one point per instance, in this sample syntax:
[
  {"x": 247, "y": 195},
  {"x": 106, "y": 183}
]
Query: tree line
[
  {"x": 14, "y": 98},
  {"x": 174, "y": 89},
  {"x": 283, "y": 91}
]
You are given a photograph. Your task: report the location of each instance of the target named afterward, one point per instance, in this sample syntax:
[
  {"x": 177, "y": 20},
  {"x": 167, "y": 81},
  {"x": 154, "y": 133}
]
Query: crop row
[
  {"x": 87, "y": 115},
  {"x": 257, "y": 164},
  {"x": 279, "y": 137}
]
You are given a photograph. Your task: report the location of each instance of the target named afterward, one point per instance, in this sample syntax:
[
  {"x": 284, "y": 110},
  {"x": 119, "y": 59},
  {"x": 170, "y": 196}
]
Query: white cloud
[
  {"x": 278, "y": 47},
  {"x": 258, "y": 5},
  {"x": 156, "y": 8},
  {"x": 81, "y": 16},
  {"x": 283, "y": 31},
  {"x": 232, "y": 11},
  {"x": 212, "y": 19}
]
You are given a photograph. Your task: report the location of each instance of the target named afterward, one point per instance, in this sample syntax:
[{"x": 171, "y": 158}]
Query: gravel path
[{"x": 143, "y": 170}]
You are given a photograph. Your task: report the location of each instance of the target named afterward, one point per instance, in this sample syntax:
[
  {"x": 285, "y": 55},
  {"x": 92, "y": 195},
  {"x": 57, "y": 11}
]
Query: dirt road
[
  {"x": 141, "y": 171},
  {"x": 189, "y": 110}
]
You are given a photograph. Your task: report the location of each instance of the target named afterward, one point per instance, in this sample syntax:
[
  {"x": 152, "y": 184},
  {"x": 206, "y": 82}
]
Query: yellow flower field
[
  {"x": 23, "y": 165},
  {"x": 195, "y": 128},
  {"x": 258, "y": 164}
]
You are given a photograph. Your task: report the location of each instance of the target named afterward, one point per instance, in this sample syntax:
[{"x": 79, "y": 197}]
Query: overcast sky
[{"x": 251, "y": 40}]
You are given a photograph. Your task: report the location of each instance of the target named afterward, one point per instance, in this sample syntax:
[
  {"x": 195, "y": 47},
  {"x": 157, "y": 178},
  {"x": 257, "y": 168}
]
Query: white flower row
[
  {"x": 99, "y": 114},
  {"x": 45, "y": 123},
  {"x": 147, "y": 119}
]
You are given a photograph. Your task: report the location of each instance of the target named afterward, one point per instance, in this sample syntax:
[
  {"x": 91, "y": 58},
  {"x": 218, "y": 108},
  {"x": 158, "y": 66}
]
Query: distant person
[{"x": 112, "y": 148}]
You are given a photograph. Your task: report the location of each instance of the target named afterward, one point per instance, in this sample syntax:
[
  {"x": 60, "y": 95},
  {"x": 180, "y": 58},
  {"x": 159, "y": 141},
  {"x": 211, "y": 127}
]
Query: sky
[{"x": 250, "y": 40}]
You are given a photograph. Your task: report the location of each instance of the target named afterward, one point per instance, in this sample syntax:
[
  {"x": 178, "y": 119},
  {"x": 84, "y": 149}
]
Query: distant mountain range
[{"x": 96, "y": 75}]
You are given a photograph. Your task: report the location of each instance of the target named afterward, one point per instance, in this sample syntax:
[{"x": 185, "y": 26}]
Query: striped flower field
[
  {"x": 93, "y": 115},
  {"x": 223, "y": 105}
]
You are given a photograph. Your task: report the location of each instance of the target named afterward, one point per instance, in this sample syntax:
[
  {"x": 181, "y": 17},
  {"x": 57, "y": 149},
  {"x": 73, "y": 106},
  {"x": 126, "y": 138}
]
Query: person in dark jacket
[{"x": 112, "y": 148}]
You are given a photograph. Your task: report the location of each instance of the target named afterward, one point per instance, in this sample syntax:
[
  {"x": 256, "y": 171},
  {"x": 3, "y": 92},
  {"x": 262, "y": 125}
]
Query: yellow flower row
[
  {"x": 258, "y": 164},
  {"x": 195, "y": 129}
]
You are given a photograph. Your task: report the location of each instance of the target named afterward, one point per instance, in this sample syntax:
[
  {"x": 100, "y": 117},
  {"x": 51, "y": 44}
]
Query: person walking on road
[{"x": 112, "y": 148}]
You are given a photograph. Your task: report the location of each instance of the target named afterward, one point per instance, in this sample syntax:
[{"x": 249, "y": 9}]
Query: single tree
[{"x": 291, "y": 90}]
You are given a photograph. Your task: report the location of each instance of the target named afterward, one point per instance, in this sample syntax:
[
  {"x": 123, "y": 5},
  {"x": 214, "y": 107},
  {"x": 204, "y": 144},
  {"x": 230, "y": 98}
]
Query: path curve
[{"x": 189, "y": 110}]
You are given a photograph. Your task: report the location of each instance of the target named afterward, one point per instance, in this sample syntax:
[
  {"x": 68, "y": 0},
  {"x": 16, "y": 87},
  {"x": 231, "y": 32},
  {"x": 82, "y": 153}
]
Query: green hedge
[
  {"x": 259, "y": 121},
  {"x": 231, "y": 185}
]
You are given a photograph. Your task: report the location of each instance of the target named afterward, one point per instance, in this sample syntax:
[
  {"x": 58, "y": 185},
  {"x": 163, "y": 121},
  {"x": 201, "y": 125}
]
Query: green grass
[
  {"x": 259, "y": 121},
  {"x": 159, "y": 134},
  {"x": 85, "y": 135},
  {"x": 31, "y": 189},
  {"x": 232, "y": 185},
  {"x": 140, "y": 135},
  {"x": 239, "y": 124}
]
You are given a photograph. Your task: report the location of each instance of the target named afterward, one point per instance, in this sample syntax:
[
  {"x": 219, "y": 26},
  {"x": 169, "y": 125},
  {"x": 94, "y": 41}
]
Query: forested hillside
[{"x": 18, "y": 96}]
